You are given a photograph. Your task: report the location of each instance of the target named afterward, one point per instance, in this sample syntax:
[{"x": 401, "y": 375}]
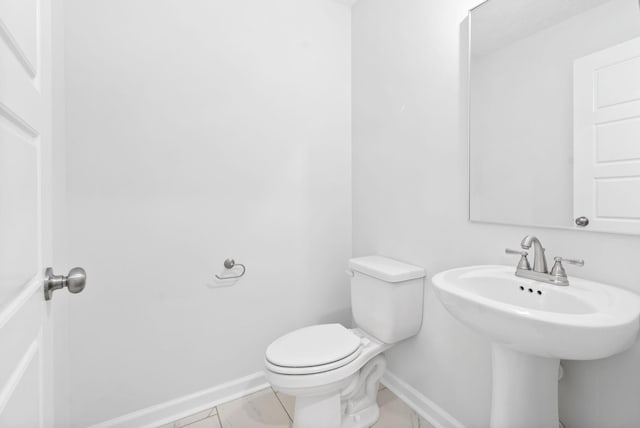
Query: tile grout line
[
  {"x": 281, "y": 404},
  {"x": 179, "y": 424},
  {"x": 218, "y": 416},
  {"x": 194, "y": 422},
  {"x": 215, "y": 411}
]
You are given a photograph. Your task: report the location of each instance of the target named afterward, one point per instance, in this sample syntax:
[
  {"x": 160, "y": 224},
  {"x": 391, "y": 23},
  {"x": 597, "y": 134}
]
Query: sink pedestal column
[{"x": 525, "y": 390}]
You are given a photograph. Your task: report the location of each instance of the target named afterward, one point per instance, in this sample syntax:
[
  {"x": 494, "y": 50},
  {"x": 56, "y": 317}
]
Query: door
[
  {"x": 25, "y": 213},
  {"x": 607, "y": 138}
]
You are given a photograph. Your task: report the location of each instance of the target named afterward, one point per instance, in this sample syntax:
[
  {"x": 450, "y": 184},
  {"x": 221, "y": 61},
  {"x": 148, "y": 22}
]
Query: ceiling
[{"x": 496, "y": 23}]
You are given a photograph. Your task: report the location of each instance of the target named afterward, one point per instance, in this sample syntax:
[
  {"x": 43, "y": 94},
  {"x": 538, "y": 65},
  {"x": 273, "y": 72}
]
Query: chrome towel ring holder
[{"x": 230, "y": 264}]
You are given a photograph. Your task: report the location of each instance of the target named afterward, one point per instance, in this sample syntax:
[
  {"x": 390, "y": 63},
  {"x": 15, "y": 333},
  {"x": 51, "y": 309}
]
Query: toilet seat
[
  {"x": 312, "y": 369},
  {"x": 326, "y": 378},
  {"x": 314, "y": 349}
]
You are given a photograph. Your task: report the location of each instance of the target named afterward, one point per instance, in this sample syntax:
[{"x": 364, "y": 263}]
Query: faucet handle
[
  {"x": 518, "y": 252},
  {"x": 558, "y": 272},
  {"x": 577, "y": 262},
  {"x": 524, "y": 262}
]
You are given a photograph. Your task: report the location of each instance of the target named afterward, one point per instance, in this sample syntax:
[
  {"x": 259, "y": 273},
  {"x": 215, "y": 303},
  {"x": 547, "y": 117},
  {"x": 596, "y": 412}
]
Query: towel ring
[{"x": 230, "y": 264}]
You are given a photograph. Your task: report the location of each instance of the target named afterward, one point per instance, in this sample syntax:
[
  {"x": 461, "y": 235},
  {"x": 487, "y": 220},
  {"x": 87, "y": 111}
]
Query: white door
[
  {"x": 25, "y": 213},
  {"x": 607, "y": 138}
]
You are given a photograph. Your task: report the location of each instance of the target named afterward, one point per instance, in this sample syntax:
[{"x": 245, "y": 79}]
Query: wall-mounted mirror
[{"x": 555, "y": 114}]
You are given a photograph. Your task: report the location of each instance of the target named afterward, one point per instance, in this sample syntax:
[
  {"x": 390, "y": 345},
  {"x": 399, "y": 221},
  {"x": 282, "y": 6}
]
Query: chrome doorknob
[
  {"x": 74, "y": 281},
  {"x": 582, "y": 221}
]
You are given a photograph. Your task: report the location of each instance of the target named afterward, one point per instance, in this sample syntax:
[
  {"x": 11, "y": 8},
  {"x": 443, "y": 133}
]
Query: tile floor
[{"x": 267, "y": 409}]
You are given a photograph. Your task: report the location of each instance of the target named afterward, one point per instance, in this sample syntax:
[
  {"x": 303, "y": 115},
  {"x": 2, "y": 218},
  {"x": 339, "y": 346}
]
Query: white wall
[
  {"x": 410, "y": 202},
  {"x": 198, "y": 131}
]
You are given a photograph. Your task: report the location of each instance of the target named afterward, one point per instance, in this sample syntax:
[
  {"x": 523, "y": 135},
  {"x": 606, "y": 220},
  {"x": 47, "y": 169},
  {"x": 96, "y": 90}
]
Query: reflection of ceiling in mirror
[{"x": 497, "y": 23}]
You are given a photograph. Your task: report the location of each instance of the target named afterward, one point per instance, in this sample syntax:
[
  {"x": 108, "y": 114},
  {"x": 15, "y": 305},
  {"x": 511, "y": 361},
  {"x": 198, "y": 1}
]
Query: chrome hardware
[
  {"x": 577, "y": 262},
  {"x": 230, "y": 264},
  {"x": 582, "y": 221},
  {"x": 539, "y": 259},
  {"x": 74, "y": 281},
  {"x": 524, "y": 262},
  {"x": 557, "y": 276}
]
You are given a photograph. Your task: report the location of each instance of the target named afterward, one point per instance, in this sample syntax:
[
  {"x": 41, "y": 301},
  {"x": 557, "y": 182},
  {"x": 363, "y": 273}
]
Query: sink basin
[
  {"x": 583, "y": 321},
  {"x": 532, "y": 325}
]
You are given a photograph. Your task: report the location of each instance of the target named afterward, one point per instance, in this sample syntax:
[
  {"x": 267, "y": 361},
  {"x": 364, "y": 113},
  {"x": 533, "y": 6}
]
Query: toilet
[{"x": 334, "y": 372}]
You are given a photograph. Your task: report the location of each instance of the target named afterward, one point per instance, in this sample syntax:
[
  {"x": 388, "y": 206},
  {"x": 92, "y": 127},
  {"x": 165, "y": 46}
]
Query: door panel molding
[
  {"x": 14, "y": 380},
  {"x": 13, "y": 306},
  {"x": 17, "y": 122},
  {"x": 19, "y": 54}
]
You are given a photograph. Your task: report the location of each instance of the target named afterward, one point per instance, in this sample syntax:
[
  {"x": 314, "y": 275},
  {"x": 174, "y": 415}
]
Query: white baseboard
[
  {"x": 426, "y": 408},
  {"x": 178, "y": 408},
  {"x": 170, "y": 411}
]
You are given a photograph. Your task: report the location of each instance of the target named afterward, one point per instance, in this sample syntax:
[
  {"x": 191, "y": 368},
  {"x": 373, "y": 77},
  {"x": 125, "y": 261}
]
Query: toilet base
[
  {"x": 351, "y": 406},
  {"x": 317, "y": 411},
  {"x": 324, "y": 412},
  {"x": 363, "y": 419}
]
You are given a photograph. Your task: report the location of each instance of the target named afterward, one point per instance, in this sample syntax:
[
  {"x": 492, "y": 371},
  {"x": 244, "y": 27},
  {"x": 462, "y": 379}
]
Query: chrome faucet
[
  {"x": 540, "y": 272},
  {"x": 539, "y": 259}
]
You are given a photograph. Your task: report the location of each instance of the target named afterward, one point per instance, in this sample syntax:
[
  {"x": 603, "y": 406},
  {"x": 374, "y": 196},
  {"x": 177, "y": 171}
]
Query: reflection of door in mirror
[{"x": 607, "y": 138}]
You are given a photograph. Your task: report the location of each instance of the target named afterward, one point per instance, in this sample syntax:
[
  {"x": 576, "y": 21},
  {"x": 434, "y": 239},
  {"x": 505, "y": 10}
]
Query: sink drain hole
[{"x": 530, "y": 290}]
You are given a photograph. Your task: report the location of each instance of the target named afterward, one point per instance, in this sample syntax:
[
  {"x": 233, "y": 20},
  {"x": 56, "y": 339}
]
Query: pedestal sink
[{"x": 532, "y": 326}]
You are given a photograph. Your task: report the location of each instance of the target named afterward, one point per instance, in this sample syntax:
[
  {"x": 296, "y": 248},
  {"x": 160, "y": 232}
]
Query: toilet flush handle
[{"x": 349, "y": 273}]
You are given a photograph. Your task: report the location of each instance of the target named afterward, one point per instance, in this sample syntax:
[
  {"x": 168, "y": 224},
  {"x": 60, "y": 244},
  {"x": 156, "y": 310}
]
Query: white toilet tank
[{"x": 387, "y": 297}]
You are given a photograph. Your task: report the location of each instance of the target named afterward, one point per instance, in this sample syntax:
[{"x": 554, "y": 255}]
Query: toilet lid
[{"x": 313, "y": 346}]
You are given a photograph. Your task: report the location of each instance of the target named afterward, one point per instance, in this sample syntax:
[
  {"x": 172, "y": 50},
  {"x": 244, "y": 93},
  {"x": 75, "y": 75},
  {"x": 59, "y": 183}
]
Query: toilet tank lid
[{"x": 386, "y": 269}]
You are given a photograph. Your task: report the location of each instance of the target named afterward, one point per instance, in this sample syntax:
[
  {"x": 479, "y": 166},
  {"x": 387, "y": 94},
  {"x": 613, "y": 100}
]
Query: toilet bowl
[
  {"x": 322, "y": 366},
  {"x": 334, "y": 372}
]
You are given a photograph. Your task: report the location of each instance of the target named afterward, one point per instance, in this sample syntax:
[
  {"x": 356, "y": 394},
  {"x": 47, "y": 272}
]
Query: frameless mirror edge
[{"x": 469, "y": 213}]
